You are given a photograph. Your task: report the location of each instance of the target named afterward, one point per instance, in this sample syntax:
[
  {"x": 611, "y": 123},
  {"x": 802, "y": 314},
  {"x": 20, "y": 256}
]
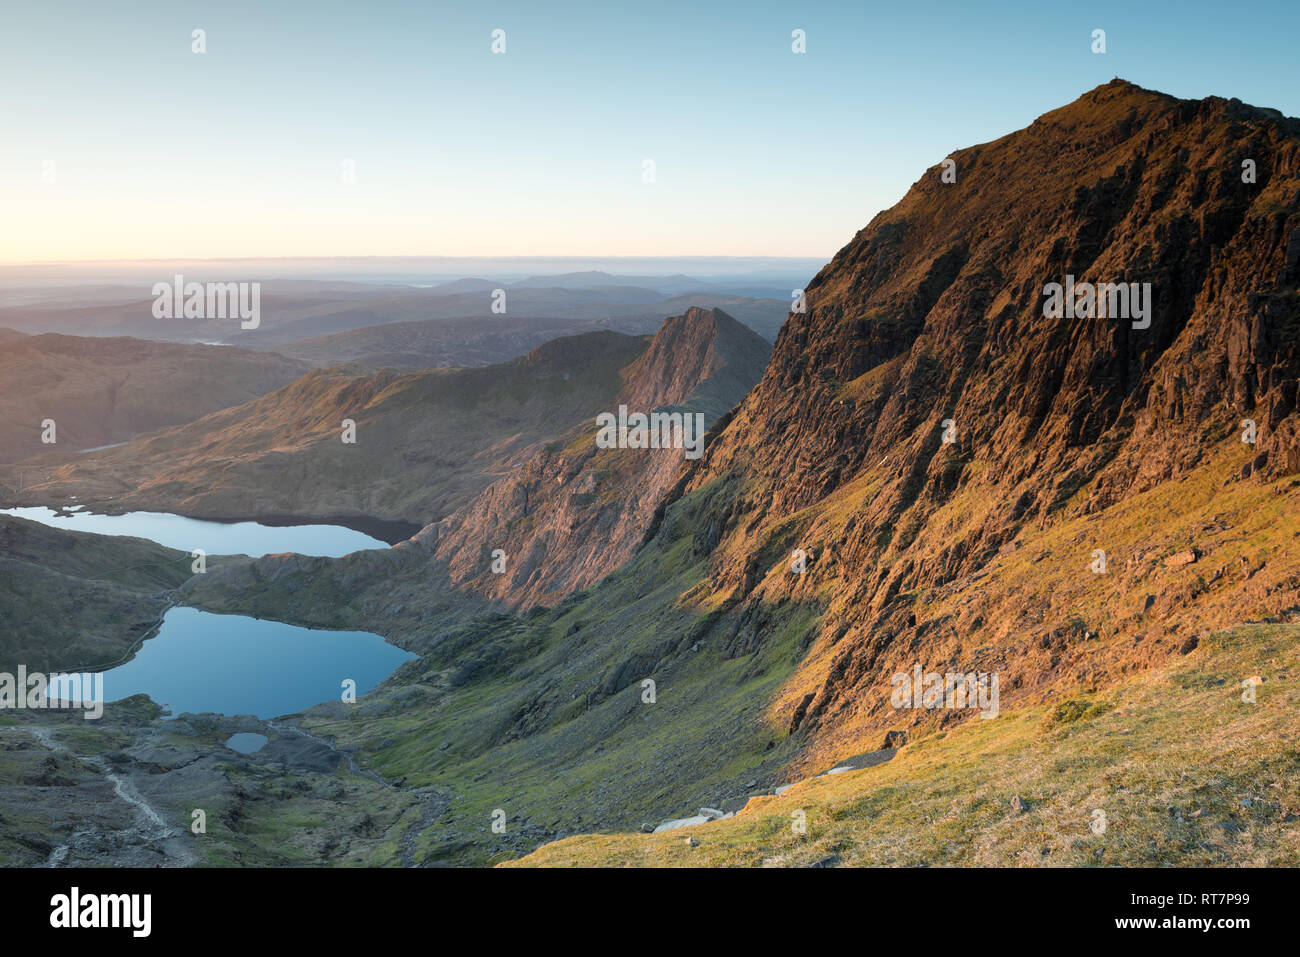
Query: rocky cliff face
[
  {"x": 935, "y": 311},
  {"x": 572, "y": 512}
]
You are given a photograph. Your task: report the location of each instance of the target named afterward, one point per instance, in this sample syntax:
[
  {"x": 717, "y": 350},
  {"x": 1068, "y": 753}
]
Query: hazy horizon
[{"x": 707, "y": 272}]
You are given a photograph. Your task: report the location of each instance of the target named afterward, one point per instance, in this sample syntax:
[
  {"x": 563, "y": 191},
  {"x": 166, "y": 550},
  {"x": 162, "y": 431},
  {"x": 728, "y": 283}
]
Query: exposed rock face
[
  {"x": 935, "y": 311},
  {"x": 703, "y": 360},
  {"x": 572, "y": 512}
]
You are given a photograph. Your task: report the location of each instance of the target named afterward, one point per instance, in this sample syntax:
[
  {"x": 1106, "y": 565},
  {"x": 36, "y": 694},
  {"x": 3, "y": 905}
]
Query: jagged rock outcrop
[
  {"x": 573, "y": 512},
  {"x": 935, "y": 311}
]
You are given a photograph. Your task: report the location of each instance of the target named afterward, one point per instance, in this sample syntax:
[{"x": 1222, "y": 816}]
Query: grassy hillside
[
  {"x": 425, "y": 442},
  {"x": 1202, "y": 553},
  {"x": 544, "y": 715},
  {"x": 102, "y": 391},
  {"x": 1181, "y": 767},
  {"x": 71, "y": 599}
]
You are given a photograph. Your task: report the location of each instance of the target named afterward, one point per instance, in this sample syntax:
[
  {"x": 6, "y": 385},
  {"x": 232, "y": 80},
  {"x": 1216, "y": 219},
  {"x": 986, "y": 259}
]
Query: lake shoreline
[
  {"x": 390, "y": 531},
  {"x": 202, "y": 662},
  {"x": 223, "y": 535}
]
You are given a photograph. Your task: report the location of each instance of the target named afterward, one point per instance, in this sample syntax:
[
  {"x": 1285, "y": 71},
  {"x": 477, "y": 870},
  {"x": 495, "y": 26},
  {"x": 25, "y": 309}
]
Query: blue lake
[
  {"x": 232, "y": 664},
  {"x": 214, "y": 538},
  {"x": 246, "y": 742}
]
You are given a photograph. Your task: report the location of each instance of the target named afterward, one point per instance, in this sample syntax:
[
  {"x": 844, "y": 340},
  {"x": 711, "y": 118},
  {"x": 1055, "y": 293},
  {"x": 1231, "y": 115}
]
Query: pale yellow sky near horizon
[
  {"x": 109, "y": 211},
  {"x": 80, "y": 228}
]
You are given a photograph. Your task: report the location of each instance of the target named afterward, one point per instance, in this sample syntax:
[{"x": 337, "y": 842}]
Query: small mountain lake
[
  {"x": 214, "y": 538},
  {"x": 246, "y": 742},
  {"x": 233, "y": 664}
]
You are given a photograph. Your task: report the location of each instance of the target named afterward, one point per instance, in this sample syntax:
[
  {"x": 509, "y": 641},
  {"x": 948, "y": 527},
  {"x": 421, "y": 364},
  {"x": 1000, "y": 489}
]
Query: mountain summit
[{"x": 924, "y": 414}]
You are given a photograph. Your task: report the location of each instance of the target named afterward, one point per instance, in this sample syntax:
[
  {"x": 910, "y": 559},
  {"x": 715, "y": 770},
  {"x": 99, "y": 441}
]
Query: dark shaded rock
[{"x": 800, "y": 711}]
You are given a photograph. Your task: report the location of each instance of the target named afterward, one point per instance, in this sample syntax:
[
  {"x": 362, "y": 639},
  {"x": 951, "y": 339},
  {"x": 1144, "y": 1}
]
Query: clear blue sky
[{"x": 160, "y": 152}]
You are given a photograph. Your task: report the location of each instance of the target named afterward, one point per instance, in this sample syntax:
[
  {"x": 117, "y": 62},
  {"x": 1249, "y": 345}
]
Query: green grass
[
  {"x": 1177, "y": 758},
  {"x": 535, "y": 723}
]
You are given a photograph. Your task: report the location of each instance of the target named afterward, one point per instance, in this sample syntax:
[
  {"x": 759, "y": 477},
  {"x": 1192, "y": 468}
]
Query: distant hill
[
  {"x": 103, "y": 391},
  {"x": 475, "y": 341},
  {"x": 295, "y": 310},
  {"x": 426, "y": 442},
  {"x": 447, "y": 343},
  {"x": 664, "y": 285}
]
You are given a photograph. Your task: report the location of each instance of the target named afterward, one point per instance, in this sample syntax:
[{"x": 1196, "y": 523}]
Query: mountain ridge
[
  {"x": 106, "y": 390},
  {"x": 934, "y": 312},
  {"x": 573, "y": 512}
]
